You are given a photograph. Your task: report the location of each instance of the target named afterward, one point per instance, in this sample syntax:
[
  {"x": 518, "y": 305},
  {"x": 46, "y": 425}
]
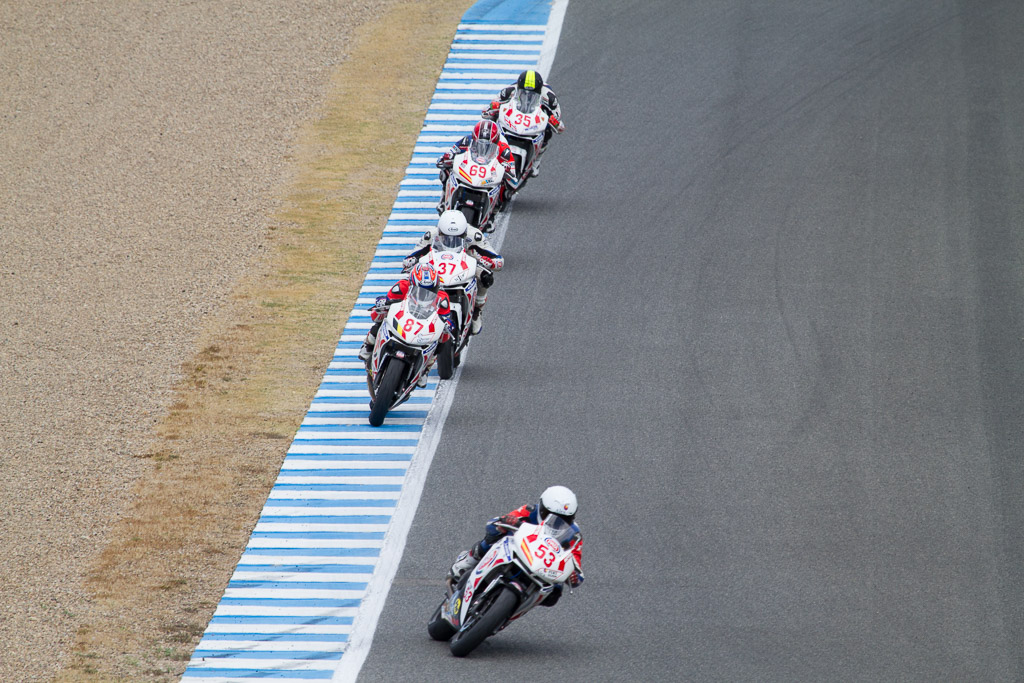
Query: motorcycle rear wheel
[
  {"x": 385, "y": 394},
  {"x": 438, "y": 627},
  {"x": 483, "y": 624},
  {"x": 446, "y": 360}
]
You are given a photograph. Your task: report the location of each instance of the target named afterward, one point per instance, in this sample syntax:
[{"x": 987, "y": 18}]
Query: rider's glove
[
  {"x": 510, "y": 519},
  {"x": 491, "y": 111},
  {"x": 559, "y": 126},
  {"x": 445, "y": 161},
  {"x": 575, "y": 579},
  {"x": 408, "y": 262},
  {"x": 487, "y": 262}
]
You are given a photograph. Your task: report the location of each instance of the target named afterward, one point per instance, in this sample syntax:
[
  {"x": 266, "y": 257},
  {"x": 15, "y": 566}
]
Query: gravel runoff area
[{"x": 140, "y": 149}]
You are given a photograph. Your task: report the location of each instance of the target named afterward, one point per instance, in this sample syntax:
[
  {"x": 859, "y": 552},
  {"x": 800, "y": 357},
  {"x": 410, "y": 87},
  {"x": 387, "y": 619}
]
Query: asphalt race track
[{"x": 763, "y": 311}]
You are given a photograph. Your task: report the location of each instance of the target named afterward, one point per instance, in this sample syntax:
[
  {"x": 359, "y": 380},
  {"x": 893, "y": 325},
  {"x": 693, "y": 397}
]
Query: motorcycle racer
[
  {"x": 528, "y": 88},
  {"x": 555, "y": 500},
  {"x": 486, "y": 141},
  {"x": 422, "y": 281},
  {"x": 453, "y": 224}
]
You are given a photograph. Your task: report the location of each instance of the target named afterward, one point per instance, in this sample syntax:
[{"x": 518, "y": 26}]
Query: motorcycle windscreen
[
  {"x": 483, "y": 151},
  {"x": 557, "y": 528},
  {"x": 421, "y": 302},
  {"x": 451, "y": 243},
  {"x": 527, "y": 100}
]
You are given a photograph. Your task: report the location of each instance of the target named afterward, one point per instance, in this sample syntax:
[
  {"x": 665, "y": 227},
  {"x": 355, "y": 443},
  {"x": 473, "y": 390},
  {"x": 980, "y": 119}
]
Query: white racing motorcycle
[
  {"x": 405, "y": 347},
  {"x": 474, "y": 184},
  {"x": 513, "y": 577},
  {"x": 457, "y": 272},
  {"x": 523, "y": 123}
]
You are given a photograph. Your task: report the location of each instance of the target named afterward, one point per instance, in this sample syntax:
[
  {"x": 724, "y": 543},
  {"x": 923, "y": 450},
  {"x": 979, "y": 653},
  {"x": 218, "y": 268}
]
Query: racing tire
[
  {"x": 481, "y": 626},
  {"x": 386, "y": 392},
  {"x": 438, "y": 628},
  {"x": 470, "y": 213},
  {"x": 446, "y": 360}
]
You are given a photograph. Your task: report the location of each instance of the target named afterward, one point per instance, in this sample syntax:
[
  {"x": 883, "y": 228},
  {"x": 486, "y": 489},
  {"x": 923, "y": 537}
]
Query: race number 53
[{"x": 545, "y": 555}]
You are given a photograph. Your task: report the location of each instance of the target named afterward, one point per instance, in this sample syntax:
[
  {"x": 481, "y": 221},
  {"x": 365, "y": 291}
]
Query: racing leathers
[
  {"x": 548, "y": 103},
  {"x": 468, "y": 559},
  {"x": 509, "y": 182},
  {"x": 379, "y": 313},
  {"x": 488, "y": 261}
]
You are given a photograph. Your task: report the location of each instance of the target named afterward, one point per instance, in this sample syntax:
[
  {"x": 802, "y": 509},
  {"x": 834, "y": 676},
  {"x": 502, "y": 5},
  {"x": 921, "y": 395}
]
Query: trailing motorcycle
[
  {"x": 404, "y": 351},
  {"x": 518, "y": 573}
]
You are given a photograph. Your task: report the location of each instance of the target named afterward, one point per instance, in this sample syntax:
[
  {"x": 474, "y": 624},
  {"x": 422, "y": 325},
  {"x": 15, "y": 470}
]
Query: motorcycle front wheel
[
  {"x": 386, "y": 391},
  {"x": 438, "y": 627},
  {"x": 483, "y": 622},
  {"x": 446, "y": 360}
]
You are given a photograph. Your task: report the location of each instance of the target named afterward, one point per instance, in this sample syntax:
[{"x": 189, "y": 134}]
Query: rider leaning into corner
[
  {"x": 556, "y": 500},
  {"x": 527, "y": 89},
  {"x": 453, "y": 224},
  {"x": 422, "y": 281}
]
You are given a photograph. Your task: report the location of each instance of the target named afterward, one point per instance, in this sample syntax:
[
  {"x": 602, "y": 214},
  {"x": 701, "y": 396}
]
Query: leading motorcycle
[
  {"x": 518, "y": 573},
  {"x": 523, "y": 122}
]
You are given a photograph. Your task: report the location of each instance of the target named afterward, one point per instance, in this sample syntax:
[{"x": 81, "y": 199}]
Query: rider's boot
[
  {"x": 364, "y": 353},
  {"x": 463, "y": 563},
  {"x": 422, "y": 381},
  {"x": 478, "y": 323}
]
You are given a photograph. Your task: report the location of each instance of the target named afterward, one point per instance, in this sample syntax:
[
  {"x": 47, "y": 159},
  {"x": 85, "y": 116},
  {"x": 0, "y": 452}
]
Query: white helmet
[
  {"x": 453, "y": 223},
  {"x": 558, "y": 500}
]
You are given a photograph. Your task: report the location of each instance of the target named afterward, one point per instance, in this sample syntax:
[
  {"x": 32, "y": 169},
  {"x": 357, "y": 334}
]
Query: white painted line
[
  {"x": 495, "y": 47},
  {"x": 490, "y": 76},
  {"x": 277, "y": 645},
  {"x": 487, "y": 66},
  {"x": 508, "y": 28},
  {"x": 264, "y": 611},
  {"x": 299, "y": 543},
  {"x": 240, "y": 663},
  {"x": 303, "y": 577},
  {"x": 497, "y": 37}
]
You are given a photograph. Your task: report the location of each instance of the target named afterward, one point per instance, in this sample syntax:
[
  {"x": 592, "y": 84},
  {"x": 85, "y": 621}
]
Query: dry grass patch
[{"x": 243, "y": 394}]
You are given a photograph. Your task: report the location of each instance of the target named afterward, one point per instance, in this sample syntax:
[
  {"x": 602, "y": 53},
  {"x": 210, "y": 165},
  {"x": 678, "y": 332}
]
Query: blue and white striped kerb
[{"x": 288, "y": 611}]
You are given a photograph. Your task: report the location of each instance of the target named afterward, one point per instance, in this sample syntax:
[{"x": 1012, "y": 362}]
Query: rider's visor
[
  {"x": 527, "y": 100},
  {"x": 483, "y": 151},
  {"x": 421, "y": 302},
  {"x": 451, "y": 243},
  {"x": 557, "y": 528}
]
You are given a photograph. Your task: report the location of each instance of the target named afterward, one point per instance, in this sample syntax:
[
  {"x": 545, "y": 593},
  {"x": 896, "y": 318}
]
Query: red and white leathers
[
  {"x": 379, "y": 313},
  {"x": 509, "y": 182},
  {"x": 468, "y": 559}
]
